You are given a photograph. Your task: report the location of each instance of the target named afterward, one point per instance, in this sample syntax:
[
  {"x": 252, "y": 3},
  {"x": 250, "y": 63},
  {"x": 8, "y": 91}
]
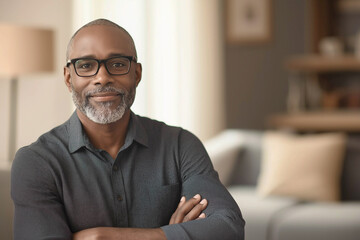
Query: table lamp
[{"x": 23, "y": 50}]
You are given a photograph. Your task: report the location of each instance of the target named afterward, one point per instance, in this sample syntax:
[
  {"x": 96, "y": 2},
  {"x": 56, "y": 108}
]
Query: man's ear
[
  {"x": 138, "y": 73},
  {"x": 67, "y": 78}
]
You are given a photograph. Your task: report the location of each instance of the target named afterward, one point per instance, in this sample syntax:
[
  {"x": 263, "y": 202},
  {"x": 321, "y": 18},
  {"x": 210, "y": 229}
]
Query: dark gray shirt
[{"x": 61, "y": 184}]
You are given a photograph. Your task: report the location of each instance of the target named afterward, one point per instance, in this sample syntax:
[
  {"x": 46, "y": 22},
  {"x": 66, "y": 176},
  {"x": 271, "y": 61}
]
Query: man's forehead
[
  {"x": 106, "y": 36},
  {"x": 102, "y": 28}
]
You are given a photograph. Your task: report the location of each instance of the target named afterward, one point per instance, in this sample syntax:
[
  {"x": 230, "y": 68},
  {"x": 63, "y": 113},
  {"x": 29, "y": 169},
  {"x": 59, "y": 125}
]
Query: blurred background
[
  {"x": 208, "y": 65},
  {"x": 195, "y": 74}
]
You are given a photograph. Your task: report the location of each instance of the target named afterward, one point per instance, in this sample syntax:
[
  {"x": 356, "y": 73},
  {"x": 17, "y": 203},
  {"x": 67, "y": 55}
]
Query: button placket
[
  {"x": 115, "y": 168},
  {"x": 119, "y": 198},
  {"x": 121, "y": 216}
]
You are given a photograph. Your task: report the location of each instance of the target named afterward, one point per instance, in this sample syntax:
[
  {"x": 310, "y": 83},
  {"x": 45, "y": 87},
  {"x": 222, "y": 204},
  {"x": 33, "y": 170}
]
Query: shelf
[
  {"x": 318, "y": 63},
  {"x": 326, "y": 18},
  {"x": 349, "y": 6},
  {"x": 348, "y": 121}
]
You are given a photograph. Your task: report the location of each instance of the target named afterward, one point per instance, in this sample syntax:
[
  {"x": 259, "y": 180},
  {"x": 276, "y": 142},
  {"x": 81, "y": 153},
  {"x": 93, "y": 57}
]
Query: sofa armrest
[
  {"x": 236, "y": 155},
  {"x": 224, "y": 150}
]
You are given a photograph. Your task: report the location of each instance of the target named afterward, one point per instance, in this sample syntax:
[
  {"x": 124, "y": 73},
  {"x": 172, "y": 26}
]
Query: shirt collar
[
  {"x": 78, "y": 138},
  {"x": 76, "y": 133},
  {"x": 140, "y": 135}
]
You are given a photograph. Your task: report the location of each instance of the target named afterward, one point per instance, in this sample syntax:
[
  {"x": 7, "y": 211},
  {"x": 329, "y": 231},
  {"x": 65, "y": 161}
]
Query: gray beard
[{"x": 103, "y": 114}]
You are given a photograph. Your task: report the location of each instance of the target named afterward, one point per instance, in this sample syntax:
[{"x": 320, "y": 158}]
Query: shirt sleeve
[
  {"x": 223, "y": 216},
  {"x": 39, "y": 212}
]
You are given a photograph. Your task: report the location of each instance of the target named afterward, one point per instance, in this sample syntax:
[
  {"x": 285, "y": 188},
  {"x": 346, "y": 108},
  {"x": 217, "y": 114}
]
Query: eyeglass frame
[{"x": 99, "y": 61}]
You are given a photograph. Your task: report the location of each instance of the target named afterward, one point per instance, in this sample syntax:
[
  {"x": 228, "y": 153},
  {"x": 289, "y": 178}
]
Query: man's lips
[{"x": 105, "y": 96}]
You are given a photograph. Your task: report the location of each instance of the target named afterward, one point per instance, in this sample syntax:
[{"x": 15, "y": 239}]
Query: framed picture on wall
[{"x": 248, "y": 21}]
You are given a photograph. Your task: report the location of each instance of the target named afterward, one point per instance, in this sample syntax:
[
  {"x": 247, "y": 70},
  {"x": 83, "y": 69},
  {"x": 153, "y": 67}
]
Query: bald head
[{"x": 99, "y": 22}]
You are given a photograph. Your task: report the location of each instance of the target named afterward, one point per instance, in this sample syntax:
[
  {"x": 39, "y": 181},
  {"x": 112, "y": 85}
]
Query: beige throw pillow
[{"x": 306, "y": 167}]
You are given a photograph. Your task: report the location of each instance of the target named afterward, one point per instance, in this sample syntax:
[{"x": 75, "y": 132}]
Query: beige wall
[{"x": 43, "y": 101}]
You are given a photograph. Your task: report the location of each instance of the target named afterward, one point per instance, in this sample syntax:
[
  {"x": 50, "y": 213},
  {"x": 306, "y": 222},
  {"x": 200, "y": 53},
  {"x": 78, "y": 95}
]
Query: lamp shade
[{"x": 25, "y": 50}]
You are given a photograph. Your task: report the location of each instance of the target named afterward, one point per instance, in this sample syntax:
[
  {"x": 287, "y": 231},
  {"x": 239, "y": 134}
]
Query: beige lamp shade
[{"x": 25, "y": 50}]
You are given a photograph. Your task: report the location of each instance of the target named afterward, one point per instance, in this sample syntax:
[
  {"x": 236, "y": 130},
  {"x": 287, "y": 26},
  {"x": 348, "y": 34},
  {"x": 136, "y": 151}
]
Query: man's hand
[{"x": 189, "y": 210}]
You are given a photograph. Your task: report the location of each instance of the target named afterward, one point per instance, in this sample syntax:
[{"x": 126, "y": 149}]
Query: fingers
[
  {"x": 189, "y": 210},
  {"x": 196, "y": 211},
  {"x": 182, "y": 201}
]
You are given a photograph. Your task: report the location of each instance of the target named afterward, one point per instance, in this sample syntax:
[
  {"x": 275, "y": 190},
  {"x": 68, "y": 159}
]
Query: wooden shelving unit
[
  {"x": 321, "y": 120},
  {"x": 348, "y": 121},
  {"x": 319, "y": 64},
  {"x": 349, "y": 5},
  {"x": 313, "y": 69}
]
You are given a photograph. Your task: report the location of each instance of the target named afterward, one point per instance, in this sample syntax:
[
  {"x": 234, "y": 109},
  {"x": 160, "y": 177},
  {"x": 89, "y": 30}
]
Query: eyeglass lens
[{"x": 89, "y": 67}]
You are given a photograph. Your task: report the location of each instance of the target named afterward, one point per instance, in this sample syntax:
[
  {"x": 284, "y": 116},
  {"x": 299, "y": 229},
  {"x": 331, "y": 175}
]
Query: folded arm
[
  {"x": 223, "y": 216},
  {"x": 186, "y": 211}
]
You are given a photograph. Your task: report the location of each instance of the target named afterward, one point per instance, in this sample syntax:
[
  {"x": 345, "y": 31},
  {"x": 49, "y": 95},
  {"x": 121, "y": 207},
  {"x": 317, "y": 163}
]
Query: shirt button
[
  {"x": 115, "y": 168},
  {"x": 119, "y": 198}
]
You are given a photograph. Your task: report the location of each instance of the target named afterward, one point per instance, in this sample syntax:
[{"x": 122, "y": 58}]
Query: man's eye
[
  {"x": 118, "y": 65},
  {"x": 85, "y": 66}
]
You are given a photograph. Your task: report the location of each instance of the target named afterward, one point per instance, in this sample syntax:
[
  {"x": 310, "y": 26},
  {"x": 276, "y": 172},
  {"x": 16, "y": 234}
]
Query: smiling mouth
[{"x": 105, "y": 96}]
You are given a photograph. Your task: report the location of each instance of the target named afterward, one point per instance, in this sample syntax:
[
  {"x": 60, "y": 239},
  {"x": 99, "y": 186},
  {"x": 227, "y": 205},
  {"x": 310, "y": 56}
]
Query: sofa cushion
[
  {"x": 330, "y": 221},
  {"x": 307, "y": 167},
  {"x": 258, "y": 212}
]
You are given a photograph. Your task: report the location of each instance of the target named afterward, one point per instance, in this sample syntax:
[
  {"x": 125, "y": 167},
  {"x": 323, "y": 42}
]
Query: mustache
[{"x": 106, "y": 89}]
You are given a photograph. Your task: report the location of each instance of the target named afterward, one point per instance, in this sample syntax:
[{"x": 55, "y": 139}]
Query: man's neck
[{"x": 109, "y": 137}]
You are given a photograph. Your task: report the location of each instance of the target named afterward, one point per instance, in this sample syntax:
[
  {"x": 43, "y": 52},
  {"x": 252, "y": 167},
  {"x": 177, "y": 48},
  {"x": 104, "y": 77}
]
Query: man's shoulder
[
  {"x": 58, "y": 133},
  {"x": 152, "y": 123},
  {"x": 158, "y": 129},
  {"x": 53, "y": 139}
]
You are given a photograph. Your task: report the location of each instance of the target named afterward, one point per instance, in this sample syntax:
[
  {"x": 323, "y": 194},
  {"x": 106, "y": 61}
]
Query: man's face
[{"x": 103, "y": 98}]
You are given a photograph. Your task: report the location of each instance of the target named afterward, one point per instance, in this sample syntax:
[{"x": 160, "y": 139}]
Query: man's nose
[{"x": 103, "y": 77}]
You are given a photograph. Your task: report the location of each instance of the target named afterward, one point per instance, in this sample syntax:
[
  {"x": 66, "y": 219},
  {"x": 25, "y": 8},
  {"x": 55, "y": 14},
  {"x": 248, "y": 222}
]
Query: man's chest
[{"x": 130, "y": 192}]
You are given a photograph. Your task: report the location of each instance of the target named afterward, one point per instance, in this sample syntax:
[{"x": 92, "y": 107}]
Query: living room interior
[{"x": 271, "y": 88}]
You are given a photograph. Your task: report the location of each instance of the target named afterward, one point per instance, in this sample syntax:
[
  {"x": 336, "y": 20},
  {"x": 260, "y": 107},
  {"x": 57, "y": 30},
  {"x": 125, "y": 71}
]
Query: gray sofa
[
  {"x": 236, "y": 154},
  {"x": 6, "y": 205}
]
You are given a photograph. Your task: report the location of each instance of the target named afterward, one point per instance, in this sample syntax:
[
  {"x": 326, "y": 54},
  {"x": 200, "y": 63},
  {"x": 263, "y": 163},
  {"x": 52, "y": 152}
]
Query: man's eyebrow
[
  {"x": 119, "y": 55},
  {"x": 109, "y": 56},
  {"x": 85, "y": 56}
]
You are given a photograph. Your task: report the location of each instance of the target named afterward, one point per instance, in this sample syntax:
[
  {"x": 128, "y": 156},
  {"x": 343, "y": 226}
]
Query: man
[{"x": 107, "y": 173}]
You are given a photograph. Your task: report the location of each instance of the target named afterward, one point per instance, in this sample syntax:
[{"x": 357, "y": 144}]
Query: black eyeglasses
[{"x": 87, "y": 67}]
